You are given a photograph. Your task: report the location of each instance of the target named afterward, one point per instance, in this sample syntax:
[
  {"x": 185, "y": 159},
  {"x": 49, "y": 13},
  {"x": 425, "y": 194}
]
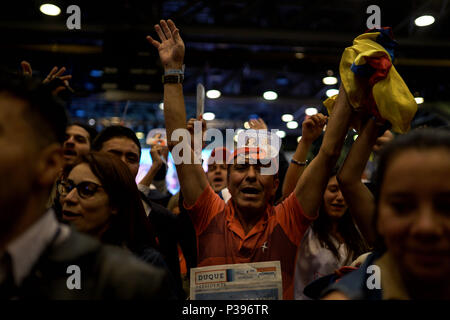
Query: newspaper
[{"x": 245, "y": 281}]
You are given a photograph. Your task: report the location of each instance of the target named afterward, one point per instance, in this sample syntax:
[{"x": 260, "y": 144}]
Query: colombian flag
[{"x": 371, "y": 81}]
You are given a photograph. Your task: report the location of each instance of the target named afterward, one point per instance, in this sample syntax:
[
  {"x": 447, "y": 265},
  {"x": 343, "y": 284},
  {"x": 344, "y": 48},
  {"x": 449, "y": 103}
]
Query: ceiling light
[
  {"x": 50, "y": 9},
  {"x": 91, "y": 122},
  {"x": 332, "y": 92},
  {"x": 161, "y": 106},
  {"x": 329, "y": 80},
  {"x": 140, "y": 135},
  {"x": 213, "y": 94},
  {"x": 287, "y": 117},
  {"x": 209, "y": 116},
  {"x": 246, "y": 125},
  {"x": 270, "y": 95},
  {"x": 292, "y": 124},
  {"x": 424, "y": 21},
  {"x": 281, "y": 133},
  {"x": 299, "y": 138},
  {"x": 311, "y": 111},
  {"x": 419, "y": 100}
]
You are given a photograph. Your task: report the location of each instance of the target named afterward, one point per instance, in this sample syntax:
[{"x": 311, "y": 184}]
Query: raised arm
[
  {"x": 311, "y": 129},
  {"x": 358, "y": 197},
  {"x": 171, "y": 52},
  {"x": 312, "y": 183},
  {"x": 157, "y": 153},
  {"x": 54, "y": 75}
]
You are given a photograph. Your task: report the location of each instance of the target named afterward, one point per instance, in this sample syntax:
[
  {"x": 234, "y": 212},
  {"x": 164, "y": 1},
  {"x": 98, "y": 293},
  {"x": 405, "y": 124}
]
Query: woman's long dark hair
[
  {"x": 130, "y": 226},
  {"x": 346, "y": 227}
]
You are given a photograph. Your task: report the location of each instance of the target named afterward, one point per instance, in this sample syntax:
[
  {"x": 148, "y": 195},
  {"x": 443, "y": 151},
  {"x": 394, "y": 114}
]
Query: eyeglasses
[{"x": 85, "y": 189}]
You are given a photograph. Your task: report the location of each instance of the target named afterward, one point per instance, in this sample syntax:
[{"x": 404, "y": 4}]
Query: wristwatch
[{"x": 172, "y": 78}]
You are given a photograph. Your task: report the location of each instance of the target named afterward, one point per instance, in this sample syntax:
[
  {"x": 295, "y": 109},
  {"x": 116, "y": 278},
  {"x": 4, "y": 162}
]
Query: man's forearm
[
  {"x": 337, "y": 127},
  {"x": 312, "y": 183},
  {"x": 148, "y": 178},
  {"x": 359, "y": 154},
  {"x": 295, "y": 170},
  {"x": 174, "y": 109}
]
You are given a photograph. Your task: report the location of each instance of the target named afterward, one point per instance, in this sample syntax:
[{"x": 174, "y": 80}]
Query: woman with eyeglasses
[{"x": 99, "y": 196}]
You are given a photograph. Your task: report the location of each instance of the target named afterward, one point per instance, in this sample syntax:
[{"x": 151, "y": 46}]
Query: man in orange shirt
[{"x": 248, "y": 228}]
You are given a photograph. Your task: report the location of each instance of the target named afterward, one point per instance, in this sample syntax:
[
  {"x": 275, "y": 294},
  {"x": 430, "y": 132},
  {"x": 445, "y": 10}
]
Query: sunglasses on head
[{"x": 85, "y": 189}]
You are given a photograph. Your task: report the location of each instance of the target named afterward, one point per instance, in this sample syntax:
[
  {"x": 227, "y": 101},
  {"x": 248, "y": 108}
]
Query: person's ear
[
  {"x": 49, "y": 165},
  {"x": 276, "y": 183}
]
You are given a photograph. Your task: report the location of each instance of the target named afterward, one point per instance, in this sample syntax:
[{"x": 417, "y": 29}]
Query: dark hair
[
  {"x": 89, "y": 129},
  {"x": 115, "y": 132},
  {"x": 130, "y": 226},
  {"x": 346, "y": 227},
  {"x": 45, "y": 113},
  {"x": 418, "y": 139}
]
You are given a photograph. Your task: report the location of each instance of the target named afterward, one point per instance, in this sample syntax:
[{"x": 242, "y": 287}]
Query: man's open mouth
[
  {"x": 70, "y": 152},
  {"x": 250, "y": 190}
]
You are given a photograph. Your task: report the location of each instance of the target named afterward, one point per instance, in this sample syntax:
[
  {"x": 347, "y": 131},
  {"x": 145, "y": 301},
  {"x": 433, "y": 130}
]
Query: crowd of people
[{"x": 69, "y": 197}]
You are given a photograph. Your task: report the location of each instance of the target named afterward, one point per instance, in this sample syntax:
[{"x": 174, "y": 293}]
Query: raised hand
[
  {"x": 383, "y": 140},
  {"x": 159, "y": 154},
  {"x": 171, "y": 48},
  {"x": 26, "y": 69},
  {"x": 312, "y": 127},
  {"x": 190, "y": 128},
  {"x": 55, "y": 73},
  {"x": 257, "y": 124}
]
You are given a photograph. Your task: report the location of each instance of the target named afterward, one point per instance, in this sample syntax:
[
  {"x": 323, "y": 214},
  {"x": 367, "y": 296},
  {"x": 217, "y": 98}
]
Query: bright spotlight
[
  {"x": 329, "y": 80},
  {"x": 270, "y": 95},
  {"x": 419, "y": 100},
  {"x": 311, "y": 111},
  {"x": 213, "y": 94},
  {"x": 424, "y": 21},
  {"x": 281, "y": 134},
  {"x": 50, "y": 9},
  {"x": 209, "y": 116},
  {"x": 332, "y": 92},
  {"x": 287, "y": 117},
  {"x": 292, "y": 125}
]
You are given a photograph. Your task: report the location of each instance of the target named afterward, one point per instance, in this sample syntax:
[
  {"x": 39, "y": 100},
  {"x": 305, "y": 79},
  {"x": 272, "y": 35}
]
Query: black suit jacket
[
  {"x": 171, "y": 230},
  {"x": 106, "y": 272}
]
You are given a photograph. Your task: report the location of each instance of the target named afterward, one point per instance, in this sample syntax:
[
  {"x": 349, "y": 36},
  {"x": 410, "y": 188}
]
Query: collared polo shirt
[{"x": 222, "y": 240}]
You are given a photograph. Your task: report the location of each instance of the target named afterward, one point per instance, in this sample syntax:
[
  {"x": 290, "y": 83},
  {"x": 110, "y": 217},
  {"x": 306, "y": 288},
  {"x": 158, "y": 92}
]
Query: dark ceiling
[{"x": 242, "y": 48}]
